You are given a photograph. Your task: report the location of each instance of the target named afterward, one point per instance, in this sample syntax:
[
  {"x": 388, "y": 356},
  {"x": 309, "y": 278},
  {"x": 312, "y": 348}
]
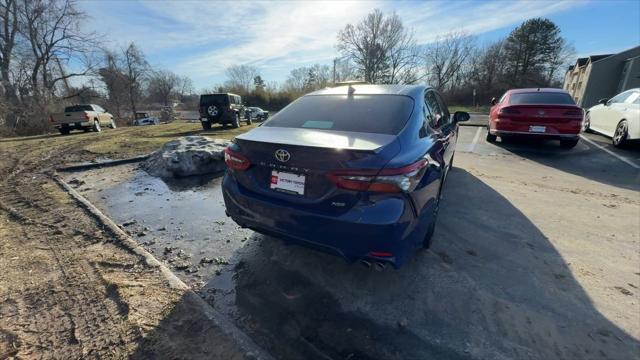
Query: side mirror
[
  {"x": 603, "y": 101},
  {"x": 494, "y": 101},
  {"x": 460, "y": 116}
]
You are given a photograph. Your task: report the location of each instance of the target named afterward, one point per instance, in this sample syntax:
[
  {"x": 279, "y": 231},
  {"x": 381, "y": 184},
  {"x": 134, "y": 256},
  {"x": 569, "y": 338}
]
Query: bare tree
[
  {"x": 381, "y": 48},
  {"x": 446, "y": 58},
  {"x": 115, "y": 81},
  {"x": 135, "y": 69},
  {"x": 240, "y": 78},
  {"x": 52, "y": 28},
  {"x": 9, "y": 26},
  {"x": 163, "y": 85},
  {"x": 185, "y": 87}
]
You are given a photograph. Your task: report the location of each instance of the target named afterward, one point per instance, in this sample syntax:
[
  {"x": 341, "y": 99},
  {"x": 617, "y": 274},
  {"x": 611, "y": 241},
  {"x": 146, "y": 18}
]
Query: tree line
[
  {"x": 381, "y": 50},
  {"x": 47, "y": 61}
]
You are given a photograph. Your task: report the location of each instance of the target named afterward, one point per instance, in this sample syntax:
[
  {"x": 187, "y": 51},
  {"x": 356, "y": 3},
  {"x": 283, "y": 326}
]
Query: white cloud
[{"x": 200, "y": 39}]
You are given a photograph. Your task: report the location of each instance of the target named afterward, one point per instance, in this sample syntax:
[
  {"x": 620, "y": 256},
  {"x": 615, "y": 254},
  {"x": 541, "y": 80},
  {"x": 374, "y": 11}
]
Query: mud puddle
[{"x": 237, "y": 271}]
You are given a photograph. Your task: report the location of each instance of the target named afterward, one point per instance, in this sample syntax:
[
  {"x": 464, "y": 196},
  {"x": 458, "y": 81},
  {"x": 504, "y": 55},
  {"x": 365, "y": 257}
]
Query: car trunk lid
[{"x": 311, "y": 153}]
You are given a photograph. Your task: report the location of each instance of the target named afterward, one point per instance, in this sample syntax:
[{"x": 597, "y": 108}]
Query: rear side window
[
  {"x": 541, "y": 98},
  {"x": 75, "y": 108},
  {"x": 381, "y": 114}
]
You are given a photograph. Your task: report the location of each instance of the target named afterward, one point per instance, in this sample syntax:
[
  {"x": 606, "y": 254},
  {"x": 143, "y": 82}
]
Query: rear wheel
[
  {"x": 64, "y": 131},
  {"x": 96, "y": 126},
  {"x": 568, "y": 143},
  {"x": 428, "y": 238},
  {"x": 236, "y": 121},
  {"x": 249, "y": 121},
  {"x": 490, "y": 137},
  {"x": 206, "y": 125},
  {"x": 620, "y": 136}
]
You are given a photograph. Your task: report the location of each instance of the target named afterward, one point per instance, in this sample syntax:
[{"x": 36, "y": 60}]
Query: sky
[{"x": 200, "y": 39}]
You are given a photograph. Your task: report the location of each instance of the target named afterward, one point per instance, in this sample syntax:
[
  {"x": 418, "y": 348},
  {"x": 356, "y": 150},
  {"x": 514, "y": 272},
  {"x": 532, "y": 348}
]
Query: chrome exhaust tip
[
  {"x": 380, "y": 266},
  {"x": 366, "y": 263}
]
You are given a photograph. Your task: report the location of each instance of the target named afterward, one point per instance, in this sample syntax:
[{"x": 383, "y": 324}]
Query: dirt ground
[{"x": 68, "y": 289}]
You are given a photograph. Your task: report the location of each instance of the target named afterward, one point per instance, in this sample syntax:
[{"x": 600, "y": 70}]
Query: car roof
[
  {"x": 219, "y": 94},
  {"x": 414, "y": 91},
  {"x": 529, "y": 90}
]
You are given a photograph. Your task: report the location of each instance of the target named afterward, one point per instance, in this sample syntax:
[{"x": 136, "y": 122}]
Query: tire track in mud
[{"x": 80, "y": 314}]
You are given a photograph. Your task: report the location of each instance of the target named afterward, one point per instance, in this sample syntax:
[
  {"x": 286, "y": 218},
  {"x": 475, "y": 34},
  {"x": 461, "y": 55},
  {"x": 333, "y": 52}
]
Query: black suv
[{"x": 222, "y": 109}]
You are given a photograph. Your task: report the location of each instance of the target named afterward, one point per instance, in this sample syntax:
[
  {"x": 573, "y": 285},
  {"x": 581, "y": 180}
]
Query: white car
[{"x": 617, "y": 118}]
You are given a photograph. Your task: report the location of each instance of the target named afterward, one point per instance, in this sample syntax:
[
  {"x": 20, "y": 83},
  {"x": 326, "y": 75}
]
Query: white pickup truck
[{"x": 82, "y": 117}]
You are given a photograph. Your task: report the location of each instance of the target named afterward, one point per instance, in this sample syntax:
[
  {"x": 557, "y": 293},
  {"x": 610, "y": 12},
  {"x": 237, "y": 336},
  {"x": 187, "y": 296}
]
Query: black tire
[
  {"x": 236, "y": 121},
  {"x": 96, "y": 126},
  {"x": 249, "y": 121},
  {"x": 586, "y": 123},
  {"x": 568, "y": 143},
  {"x": 620, "y": 136},
  {"x": 206, "y": 125},
  {"x": 491, "y": 138},
  {"x": 428, "y": 238},
  {"x": 64, "y": 131}
]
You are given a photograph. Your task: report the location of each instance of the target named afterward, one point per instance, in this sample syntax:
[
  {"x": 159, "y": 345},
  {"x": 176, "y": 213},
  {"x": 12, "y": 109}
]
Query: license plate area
[
  {"x": 287, "y": 182},
  {"x": 537, "y": 129}
]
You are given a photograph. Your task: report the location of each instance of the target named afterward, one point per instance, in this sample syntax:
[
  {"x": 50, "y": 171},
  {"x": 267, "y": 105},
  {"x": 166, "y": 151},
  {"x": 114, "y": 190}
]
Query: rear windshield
[
  {"x": 381, "y": 114},
  {"x": 541, "y": 98},
  {"x": 220, "y": 99},
  {"x": 75, "y": 108}
]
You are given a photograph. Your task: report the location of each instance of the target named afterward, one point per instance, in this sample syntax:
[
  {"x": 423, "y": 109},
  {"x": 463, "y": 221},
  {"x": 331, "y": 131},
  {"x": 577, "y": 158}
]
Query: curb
[
  {"x": 81, "y": 167},
  {"x": 242, "y": 340}
]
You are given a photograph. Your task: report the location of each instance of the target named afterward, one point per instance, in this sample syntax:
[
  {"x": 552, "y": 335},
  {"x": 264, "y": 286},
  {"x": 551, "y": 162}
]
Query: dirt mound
[{"x": 187, "y": 156}]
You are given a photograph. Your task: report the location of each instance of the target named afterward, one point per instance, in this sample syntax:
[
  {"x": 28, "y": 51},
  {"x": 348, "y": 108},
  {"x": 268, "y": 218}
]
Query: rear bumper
[
  {"x": 75, "y": 125},
  {"x": 387, "y": 226},
  {"x": 563, "y": 130},
  {"x": 224, "y": 119}
]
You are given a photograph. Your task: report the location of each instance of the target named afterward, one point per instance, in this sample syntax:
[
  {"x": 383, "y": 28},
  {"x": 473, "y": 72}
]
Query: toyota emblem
[
  {"x": 540, "y": 112},
  {"x": 282, "y": 155}
]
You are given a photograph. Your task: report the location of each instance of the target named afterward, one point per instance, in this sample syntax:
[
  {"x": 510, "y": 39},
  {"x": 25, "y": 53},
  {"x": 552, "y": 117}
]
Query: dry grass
[{"x": 119, "y": 143}]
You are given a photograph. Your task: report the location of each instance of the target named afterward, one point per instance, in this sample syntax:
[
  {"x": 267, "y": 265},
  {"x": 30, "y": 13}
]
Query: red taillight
[
  {"x": 380, "y": 254},
  {"x": 573, "y": 113},
  {"x": 235, "y": 160},
  {"x": 508, "y": 111},
  {"x": 401, "y": 179},
  {"x": 51, "y": 119},
  {"x": 86, "y": 115}
]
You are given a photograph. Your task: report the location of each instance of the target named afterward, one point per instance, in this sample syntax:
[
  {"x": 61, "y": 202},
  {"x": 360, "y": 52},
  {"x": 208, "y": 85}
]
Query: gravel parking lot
[{"x": 535, "y": 256}]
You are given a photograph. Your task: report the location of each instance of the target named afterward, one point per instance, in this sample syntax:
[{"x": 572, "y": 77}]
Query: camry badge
[{"x": 282, "y": 155}]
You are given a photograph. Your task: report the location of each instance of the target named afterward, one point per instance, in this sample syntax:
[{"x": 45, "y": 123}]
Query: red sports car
[{"x": 540, "y": 112}]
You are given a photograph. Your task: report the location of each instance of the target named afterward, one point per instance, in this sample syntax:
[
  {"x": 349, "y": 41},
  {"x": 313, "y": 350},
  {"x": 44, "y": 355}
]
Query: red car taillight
[
  {"x": 236, "y": 161},
  {"x": 508, "y": 111},
  {"x": 573, "y": 113},
  {"x": 86, "y": 115},
  {"x": 386, "y": 180},
  {"x": 51, "y": 119}
]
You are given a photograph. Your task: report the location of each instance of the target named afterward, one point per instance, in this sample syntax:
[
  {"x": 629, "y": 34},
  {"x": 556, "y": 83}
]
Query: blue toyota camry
[{"x": 352, "y": 170}]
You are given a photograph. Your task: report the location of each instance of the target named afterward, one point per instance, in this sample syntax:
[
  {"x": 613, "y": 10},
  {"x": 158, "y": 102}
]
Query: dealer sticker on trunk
[{"x": 287, "y": 182}]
